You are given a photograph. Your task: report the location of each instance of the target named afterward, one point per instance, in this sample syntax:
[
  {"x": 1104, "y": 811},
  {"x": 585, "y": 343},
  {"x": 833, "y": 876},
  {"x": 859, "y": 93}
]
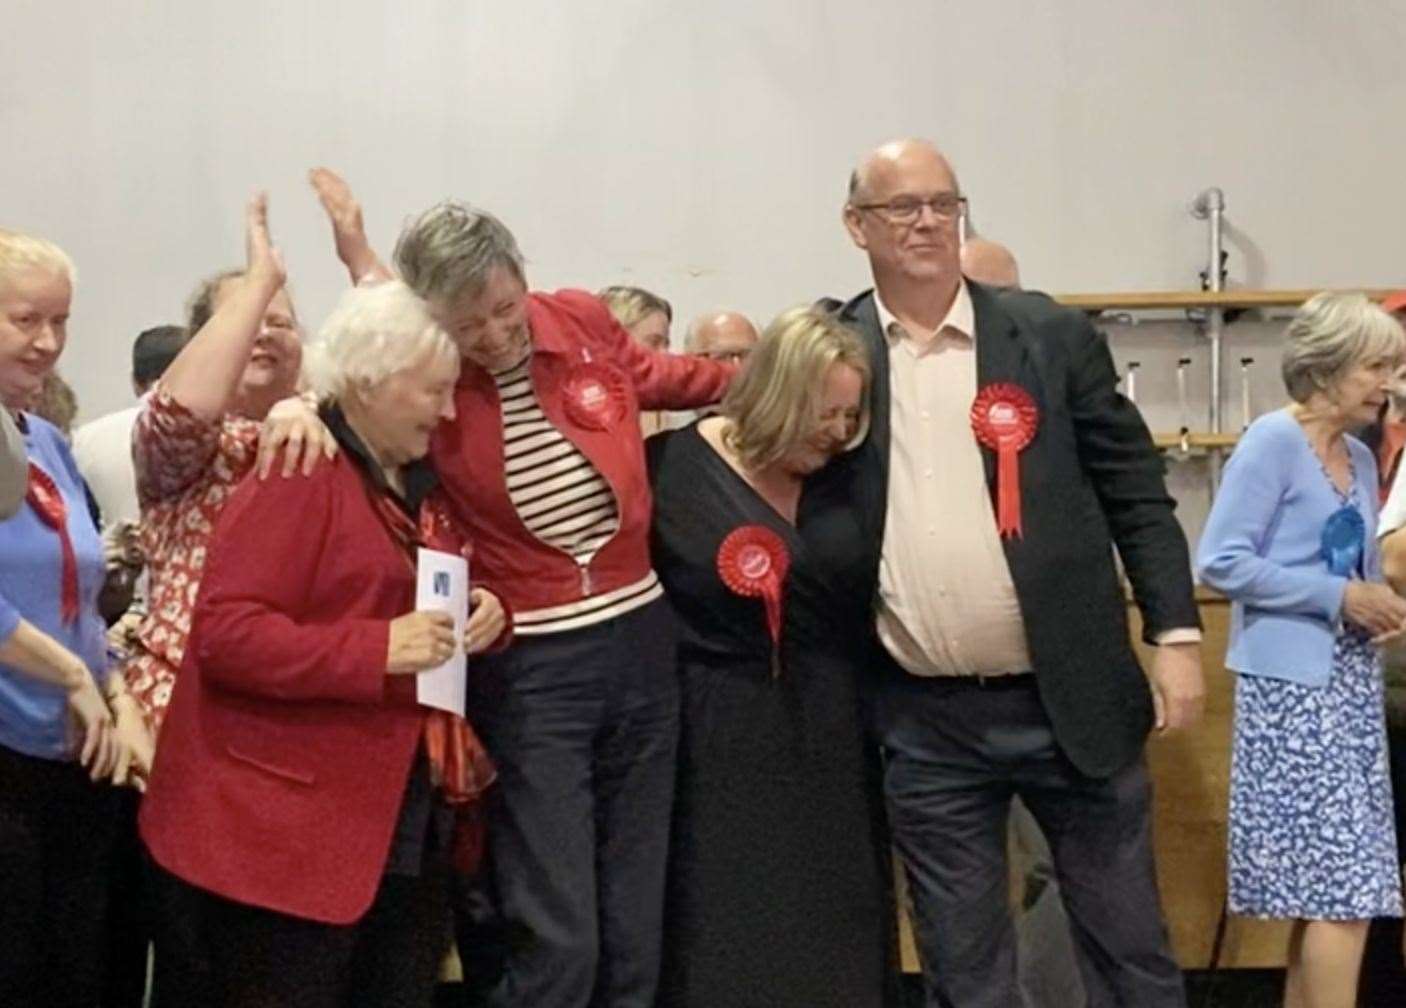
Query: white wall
[{"x": 699, "y": 149}]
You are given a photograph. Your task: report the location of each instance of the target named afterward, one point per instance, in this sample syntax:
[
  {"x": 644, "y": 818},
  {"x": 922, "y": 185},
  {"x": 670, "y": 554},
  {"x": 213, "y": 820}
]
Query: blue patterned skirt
[{"x": 1311, "y": 826}]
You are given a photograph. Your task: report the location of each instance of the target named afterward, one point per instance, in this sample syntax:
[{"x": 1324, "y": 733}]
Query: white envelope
[{"x": 442, "y": 585}]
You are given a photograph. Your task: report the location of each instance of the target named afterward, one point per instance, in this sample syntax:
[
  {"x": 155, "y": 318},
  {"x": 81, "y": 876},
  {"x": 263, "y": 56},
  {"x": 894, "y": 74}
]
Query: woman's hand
[
  {"x": 419, "y": 641},
  {"x": 1375, "y": 608},
  {"x": 135, "y": 749},
  {"x": 486, "y": 621},
  {"x": 294, "y": 423},
  {"x": 348, "y": 230},
  {"x": 264, "y": 262},
  {"x": 93, "y": 721}
]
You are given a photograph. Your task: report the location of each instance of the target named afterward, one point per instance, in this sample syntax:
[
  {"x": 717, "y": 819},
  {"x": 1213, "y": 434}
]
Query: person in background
[
  {"x": 1386, "y": 437},
  {"x": 14, "y": 466},
  {"x": 646, "y": 317},
  {"x": 778, "y": 888},
  {"x": 1384, "y": 958},
  {"x": 57, "y": 404},
  {"x": 725, "y": 336},
  {"x": 1049, "y": 972},
  {"x": 294, "y": 737},
  {"x": 581, "y": 713},
  {"x": 991, "y": 263},
  {"x": 103, "y": 447},
  {"x": 61, "y": 737},
  {"x": 1290, "y": 540},
  {"x": 1003, "y": 661}
]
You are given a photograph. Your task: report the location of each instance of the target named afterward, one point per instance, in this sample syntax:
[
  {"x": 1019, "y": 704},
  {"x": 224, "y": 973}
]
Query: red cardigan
[
  {"x": 569, "y": 329},
  {"x": 286, "y": 749}
]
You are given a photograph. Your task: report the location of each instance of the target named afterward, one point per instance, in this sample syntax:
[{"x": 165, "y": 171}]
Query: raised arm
[
  {"x": 205, "y": 374},
  {"x": 348, "y": 230}
]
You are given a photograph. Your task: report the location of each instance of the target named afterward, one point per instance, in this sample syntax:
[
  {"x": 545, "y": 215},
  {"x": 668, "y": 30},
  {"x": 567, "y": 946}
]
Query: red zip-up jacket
[{"x": 572, "y": 331}]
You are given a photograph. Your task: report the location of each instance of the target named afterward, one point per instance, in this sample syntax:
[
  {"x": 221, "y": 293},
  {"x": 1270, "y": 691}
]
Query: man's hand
[
  {"x": 294, "y": 423},
  {"x": 1178, "y": 688},
  {"x": 348, "y": 229}
]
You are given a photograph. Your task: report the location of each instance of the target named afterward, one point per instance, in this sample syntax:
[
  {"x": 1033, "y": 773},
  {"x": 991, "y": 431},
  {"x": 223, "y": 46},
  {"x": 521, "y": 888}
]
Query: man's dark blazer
[{"x": 1090, "y": 479}]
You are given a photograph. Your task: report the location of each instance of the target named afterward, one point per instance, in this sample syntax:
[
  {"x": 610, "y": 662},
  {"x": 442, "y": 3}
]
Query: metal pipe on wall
[{"x": 1209, "y": 206}]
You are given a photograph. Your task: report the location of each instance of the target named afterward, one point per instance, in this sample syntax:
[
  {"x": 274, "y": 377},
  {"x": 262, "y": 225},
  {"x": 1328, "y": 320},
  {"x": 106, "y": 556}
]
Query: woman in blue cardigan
[{"x": 1290, "y": 541}]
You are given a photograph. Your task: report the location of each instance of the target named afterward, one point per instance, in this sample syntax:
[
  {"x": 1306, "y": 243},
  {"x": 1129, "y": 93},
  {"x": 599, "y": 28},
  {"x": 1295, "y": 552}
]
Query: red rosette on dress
[
  {"x": 595, "y": 395},
  {"x": 1004, "y": 418},
  {"x": 752, "y": 562}
]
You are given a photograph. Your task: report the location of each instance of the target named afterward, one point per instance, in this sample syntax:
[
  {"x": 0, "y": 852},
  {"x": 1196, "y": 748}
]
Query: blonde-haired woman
[
  {"x": 776, "y": 888},
  {"x": 646, "y": 317}
]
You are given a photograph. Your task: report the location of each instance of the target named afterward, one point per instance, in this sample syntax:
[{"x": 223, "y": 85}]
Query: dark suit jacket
[{"x": 1091, "y": 479}]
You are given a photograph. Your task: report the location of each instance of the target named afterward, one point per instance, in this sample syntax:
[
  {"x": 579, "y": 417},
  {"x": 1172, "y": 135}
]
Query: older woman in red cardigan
[{"x": 300, "y": 790}]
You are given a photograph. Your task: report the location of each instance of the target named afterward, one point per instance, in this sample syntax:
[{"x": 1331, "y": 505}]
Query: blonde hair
[
  {"x": 373, "y": 333},
  {"x": 21, "y": 251},
  {"x": 772, "y": 403},
  {"x": 1329, "y": 335},
  {"x": 630, "y": 305}
]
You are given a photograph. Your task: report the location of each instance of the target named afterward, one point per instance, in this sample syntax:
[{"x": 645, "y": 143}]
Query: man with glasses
[
  {"x": 724, "y": 336},
  {"x": 1000, "y": 470}
]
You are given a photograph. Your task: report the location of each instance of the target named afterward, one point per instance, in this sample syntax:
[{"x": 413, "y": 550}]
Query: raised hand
[
  {"x": 264, "y": 263},
  {"x": 348, "y": 228}
]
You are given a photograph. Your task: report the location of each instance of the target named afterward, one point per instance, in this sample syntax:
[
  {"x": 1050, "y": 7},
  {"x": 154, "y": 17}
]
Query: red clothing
[
  {"x": 286, "y": 749},
  {"x": 1389, "y": 456},
  {"x": 569, "y": 329}
]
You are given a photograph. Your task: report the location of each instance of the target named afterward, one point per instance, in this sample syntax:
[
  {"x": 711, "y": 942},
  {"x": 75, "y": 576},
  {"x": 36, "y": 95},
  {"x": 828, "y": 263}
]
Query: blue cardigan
[
  {"x": 33, "y": 714},
  {"x": 1261, "y": 546}
]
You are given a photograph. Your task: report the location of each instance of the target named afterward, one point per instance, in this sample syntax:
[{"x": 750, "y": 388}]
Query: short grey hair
[
  {"x": 1331, "y": 334},
  {"x": 373, "y": 333},
  {"x": 20, "y": 251},
  {"x": 447, "y": 252}
]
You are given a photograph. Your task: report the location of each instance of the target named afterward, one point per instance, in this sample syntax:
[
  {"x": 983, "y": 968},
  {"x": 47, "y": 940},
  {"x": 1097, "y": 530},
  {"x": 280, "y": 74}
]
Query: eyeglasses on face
[{"x": 907, "y": 209}]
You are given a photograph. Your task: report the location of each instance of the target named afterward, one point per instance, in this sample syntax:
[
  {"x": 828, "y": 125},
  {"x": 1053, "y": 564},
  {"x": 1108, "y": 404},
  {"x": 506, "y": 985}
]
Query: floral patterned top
[{"x": 186, "y": 469}]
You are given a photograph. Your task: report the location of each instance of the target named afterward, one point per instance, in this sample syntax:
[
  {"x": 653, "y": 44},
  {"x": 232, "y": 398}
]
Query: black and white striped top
[{"x": 564, "y": 501}]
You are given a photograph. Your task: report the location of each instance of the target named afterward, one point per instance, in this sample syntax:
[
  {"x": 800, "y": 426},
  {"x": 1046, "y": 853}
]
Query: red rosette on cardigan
[
  {"x": 47, "y": 501},
  {"x": 1004, "y": 417},
  {"x": 752, "y": 562},
  {"x": 595, "y": 395}
]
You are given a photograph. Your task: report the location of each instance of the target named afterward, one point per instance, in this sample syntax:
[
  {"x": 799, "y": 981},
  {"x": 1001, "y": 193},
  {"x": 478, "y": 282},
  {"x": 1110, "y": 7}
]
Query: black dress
[{"x": 778, "y": 893}]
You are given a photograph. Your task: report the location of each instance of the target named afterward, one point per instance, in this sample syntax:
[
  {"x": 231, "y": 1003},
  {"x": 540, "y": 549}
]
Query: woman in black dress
[{"x": 778, "y": 892}]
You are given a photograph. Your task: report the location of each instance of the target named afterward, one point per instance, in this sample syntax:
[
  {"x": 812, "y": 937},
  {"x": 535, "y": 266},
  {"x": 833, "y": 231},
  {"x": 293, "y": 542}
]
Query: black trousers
[
  {"x": 56, "y": 830},
  {"x": 263, "y": 959},
  {"x": 584, "y": 728},
  {"x": 955, "y": 753}
]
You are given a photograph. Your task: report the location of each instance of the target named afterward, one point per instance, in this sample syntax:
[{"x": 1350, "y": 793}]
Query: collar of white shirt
[{"x": 960, "y": 321}]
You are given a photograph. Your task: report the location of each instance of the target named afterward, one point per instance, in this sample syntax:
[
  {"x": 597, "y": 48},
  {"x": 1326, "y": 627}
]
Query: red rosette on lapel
[
  {"x": 594, "y": 395},
  {"x": 1004, "y": 418},
  {"x": 752, "y": 562}
]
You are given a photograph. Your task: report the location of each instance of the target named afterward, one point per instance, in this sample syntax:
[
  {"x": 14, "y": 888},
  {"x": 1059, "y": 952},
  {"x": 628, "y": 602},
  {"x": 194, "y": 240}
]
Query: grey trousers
[
  {"x": 955, "y": 754},
  {"x": 583, "y": 726}
]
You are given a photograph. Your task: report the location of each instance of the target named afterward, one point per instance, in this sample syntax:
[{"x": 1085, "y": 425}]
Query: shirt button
[
  {"x": 932, "y": 531},
  {"x": 927, "y": 415},
  {"x": 927, "y": 473}
]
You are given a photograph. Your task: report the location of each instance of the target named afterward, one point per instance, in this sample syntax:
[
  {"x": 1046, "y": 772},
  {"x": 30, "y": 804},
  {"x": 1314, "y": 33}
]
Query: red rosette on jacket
[
  {"x": 752, "y": 562},
  {"x": 594, "y": 395},
  {"x": 47, "y": 501},
  {"x": 1004, "y": 418}
]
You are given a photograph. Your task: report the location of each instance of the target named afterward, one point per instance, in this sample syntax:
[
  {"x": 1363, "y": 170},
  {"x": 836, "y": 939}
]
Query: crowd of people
[{"x": 742, "y": 621}]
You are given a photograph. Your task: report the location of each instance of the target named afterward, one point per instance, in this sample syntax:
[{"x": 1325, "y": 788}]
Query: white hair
[
  {"x": 21, "y": 251},
  {"x": 373, "y": 333}
]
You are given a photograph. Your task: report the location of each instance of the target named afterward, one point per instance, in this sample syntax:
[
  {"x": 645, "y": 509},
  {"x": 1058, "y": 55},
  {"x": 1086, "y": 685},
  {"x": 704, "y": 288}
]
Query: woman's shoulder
[
  {"x": 667, "y": 452},
  {"x": 1273, "y": 432}
]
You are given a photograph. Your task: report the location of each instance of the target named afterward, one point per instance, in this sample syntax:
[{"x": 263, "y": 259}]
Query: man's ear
[{"x": 854, "y": 225}]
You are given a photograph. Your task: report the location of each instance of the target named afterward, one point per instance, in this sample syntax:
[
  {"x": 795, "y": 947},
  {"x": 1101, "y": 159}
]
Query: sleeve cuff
[{"x": 1179, "y": 635}]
